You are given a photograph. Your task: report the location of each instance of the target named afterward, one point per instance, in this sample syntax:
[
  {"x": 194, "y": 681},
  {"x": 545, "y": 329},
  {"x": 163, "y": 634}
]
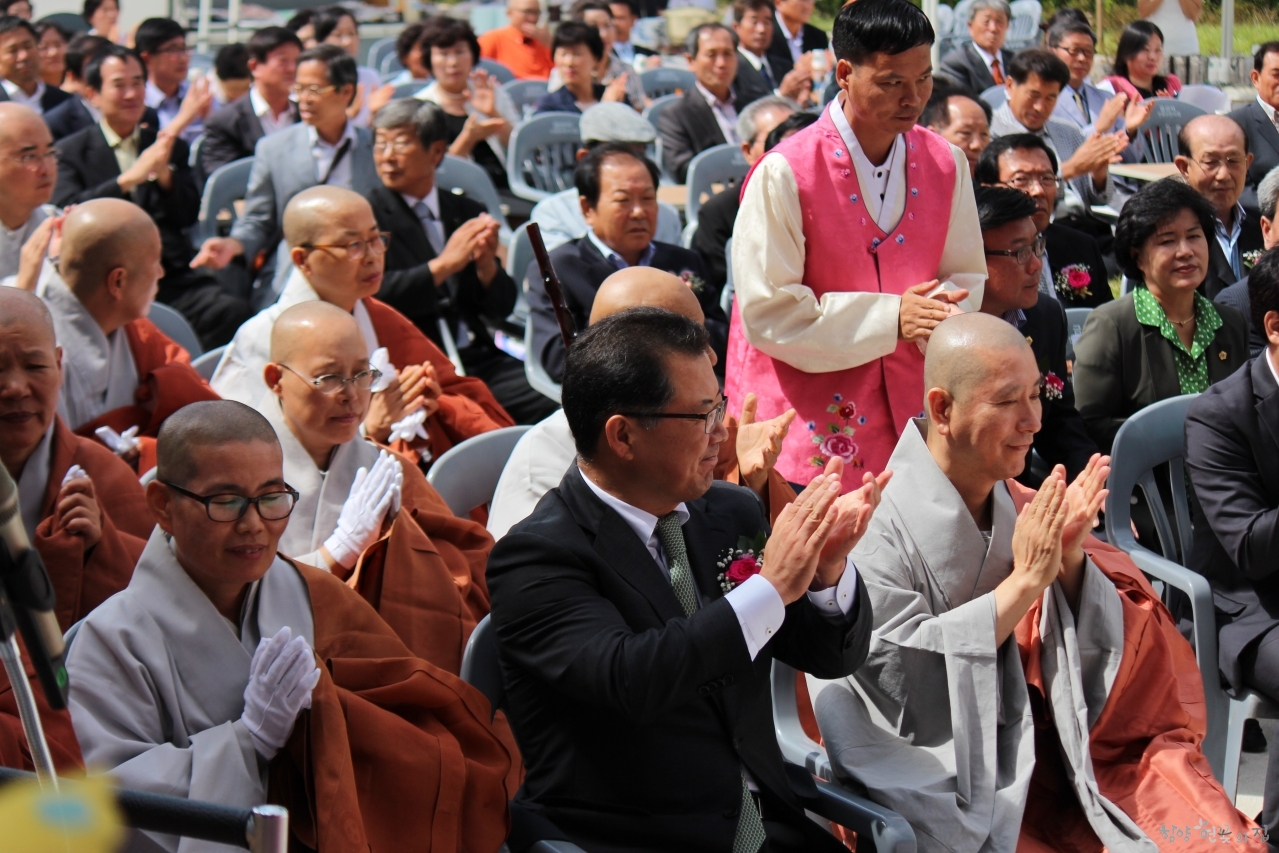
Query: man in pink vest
[{"x": 856, "y": 237}]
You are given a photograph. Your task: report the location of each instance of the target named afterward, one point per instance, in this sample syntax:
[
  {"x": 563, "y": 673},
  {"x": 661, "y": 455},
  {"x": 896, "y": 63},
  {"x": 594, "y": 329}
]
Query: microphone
[{"x": 26, "y": 585}]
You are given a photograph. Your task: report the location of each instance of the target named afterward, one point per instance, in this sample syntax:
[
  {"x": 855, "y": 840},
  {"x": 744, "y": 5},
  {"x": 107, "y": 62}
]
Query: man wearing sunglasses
[
  {"x": 338, "y": 255},
  {"x": 1014, "y": 254},
  {"x": 195, "y": 677}
]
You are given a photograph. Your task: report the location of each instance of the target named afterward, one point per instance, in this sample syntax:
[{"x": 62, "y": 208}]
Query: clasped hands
[
  {"x": 281, "y": 677},
  {"x": 375, "y": 492},
  {"x": 920, "y": 313},
  {"x": 815, "y": 533},
  {"x": 416, "y": 387}
]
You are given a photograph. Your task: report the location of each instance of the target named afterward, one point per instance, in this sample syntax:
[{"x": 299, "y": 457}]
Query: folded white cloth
[
  {"x": 121, "y": 443},
  {"x": 75, "y": 472}
]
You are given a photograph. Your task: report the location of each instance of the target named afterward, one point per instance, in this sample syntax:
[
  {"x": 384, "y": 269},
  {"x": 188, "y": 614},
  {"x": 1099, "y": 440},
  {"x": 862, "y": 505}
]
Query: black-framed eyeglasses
[
  {"x": 709, "y": 420},
  {"x": 1023, "y": 255},
  {"x": 273, "y": 506},
  {"x": 331, "y": 383},
  {"x": 356, "y": 248}
]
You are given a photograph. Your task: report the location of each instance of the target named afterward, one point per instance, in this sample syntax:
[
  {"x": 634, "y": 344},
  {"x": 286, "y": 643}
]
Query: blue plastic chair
[
  {"x": 538, "y": 379},
  {"x": 996, "y": 96},
  {"x": 518, "y": 256},
  {"x": 722, "y": 164},
  {"x": 542, "y": 155},
  {"x": 1158, "y": 136},
  {"x": 173, "y": 324},
  {"x": 379, "y": 50},
  {"x": 524, "y": 94},
  {"x": 496, "y": 70},
  {"x": 660, "y": 82},
  {"x": 227, "y": 185},
  {"x": 466, "y": 475},
  {"x": 458, "y": 173},
  {"x": 207, "y": 364}
]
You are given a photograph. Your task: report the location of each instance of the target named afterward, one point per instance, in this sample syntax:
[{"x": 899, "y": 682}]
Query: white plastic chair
[
  {"x": 543, "y": 154},
  {"x": 524, "y": 94},
  {"x": 1210, "y": 99},
  {"x": 496, "y": 70},
  {"x": 207, "y": 364},
  {"x": 172, "y": 323},
  {"x": 379, "y": 50},
  {"x": 996, "y": 96},
  {"x": 651, "y": 113},
  {"x": 466, "y": 475},
  {"x": 1158, "y": 136},
  {"x": 538, "y": 379},
  {"x": 722, "y": 164},
  {"x": 459, "y": 174},
  {"x": 659, "y": 82}
]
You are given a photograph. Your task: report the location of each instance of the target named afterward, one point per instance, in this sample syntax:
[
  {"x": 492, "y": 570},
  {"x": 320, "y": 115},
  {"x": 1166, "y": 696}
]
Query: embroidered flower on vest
[{"x": 837, "y": 439}]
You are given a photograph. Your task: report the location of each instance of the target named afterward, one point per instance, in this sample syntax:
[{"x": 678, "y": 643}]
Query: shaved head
[
  {"x": 20, "y": 308},
  {"x": 102, "y": 235},
  {"x": 967, "y": 349},
  {"x": 311, "y": 211},
  {"x": 16, "y": 121},
  {"x": 317, "y": 326},
  {"x": 645, "y": 287},
  {"x": 210, "y": 423}
]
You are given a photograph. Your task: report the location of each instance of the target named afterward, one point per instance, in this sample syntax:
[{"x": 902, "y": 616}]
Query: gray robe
[
  {"x": 157, "y": 685},
  {"x": 937, "y": 723},
  {"x": 98, "y": 371}
]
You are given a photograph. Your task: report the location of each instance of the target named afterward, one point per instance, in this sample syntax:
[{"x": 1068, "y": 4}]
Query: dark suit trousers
[{"x": 1261, "y": 672}]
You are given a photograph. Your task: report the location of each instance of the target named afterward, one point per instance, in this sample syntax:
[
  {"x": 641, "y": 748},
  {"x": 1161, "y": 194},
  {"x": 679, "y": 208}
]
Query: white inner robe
[{"x": 98, "y": 371}]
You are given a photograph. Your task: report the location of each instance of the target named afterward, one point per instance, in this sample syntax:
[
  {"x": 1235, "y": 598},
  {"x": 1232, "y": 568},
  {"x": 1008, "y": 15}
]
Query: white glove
[
  {"x": 360, "y": 521},
  {"x": 281, "y": 678},
  {"x": 75, "y": 472},
  {"x": 409, "y": 427},
  {"x": 381, "y": 360},
  {"x": 121, "y": 443}
]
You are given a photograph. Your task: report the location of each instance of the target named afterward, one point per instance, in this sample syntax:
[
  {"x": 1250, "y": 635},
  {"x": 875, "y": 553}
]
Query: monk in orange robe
[
  {"x": 119, "y": 370},
  {"x": 82, "y": 507}
]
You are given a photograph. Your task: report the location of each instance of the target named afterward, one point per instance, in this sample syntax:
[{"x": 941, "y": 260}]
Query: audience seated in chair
[
  {"x": 337, "y": 255},
  {"x": 707, "y": 114},
  {"x": 1236, "y": 295},
  {"x": 544, "y": 453},
  {"x": 522, "y": 46},
  {"x": 1138, "y": 60},
  {"x": 794, "y": 37},
  {"x": 982, "y": 62},
  {"x": 962, "y": 119},
  {"x": 81, "y": 507},
  {"x": 76, "y": 112},
  {"x": 611, "y": 613},
  {"x": 118, "y": 369},
  {"x": 1213, "y": 157},
  {"x": 1257, "y": 118},
  {"x": 618, "y": 189},
  {"x": 1014, "y": 255},
  {"x": 599, "y": 15},
  {"x": 442, "y": 266},
  {"x": 20, "y": 67},
  {"x": 559, "y": 217},
  {"x": 181, "y": 104},
  {"x": 1025, "y": 687},
  {"x": 1164, "y": 338},
  {"x": 755, "y": 22},
  {"x": 193, "y": 680},
  {"x": 1081, "y": 103},
  {"x": 414, "y": 56},
  {"x": 326, "y": 149},
  {"x": 232, "y": 133},
  {"x": 578, "y": 50},
  {"x": 28, "y": 172},
  {"x": 1232, "y": 456}
]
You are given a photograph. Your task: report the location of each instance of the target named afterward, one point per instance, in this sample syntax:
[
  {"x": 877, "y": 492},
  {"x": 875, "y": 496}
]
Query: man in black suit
[
  {"x": 707, "y": 116},
  {"x": 75, "y": 112},
  {"x": 1014, "y": 248},
  {"x": 1213, "y": 157},
  {"x": 1236, "y": 295},
  {"x": 625, "y": 14},
  {"x": 637, "y": 674},
  {"x": 121, "y": 157},
  {"x": 232, "y": 132},
  {"x": 794, "y": 37},
  {"x": 618, "y": 189},
  {"x": 981, "y": 63},
  {"x": 441, "y": 267},
  {"x": 1232, "y": 454},
  {"x": 754, "y": 21},
  {"x": 20, "y": 67},
  {"x": 1258, "y": 119}
]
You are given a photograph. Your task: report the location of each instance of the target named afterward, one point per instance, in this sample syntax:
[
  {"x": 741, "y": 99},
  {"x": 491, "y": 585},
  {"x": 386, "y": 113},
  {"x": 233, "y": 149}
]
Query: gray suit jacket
[
  {"x": 282, "y": 168},
  {"x": 1064, "y": 138},
  {"x": 1068, "y": 111}
]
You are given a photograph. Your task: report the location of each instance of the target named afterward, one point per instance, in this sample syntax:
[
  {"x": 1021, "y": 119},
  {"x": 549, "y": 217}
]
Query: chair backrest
[
  {"x": 466, "y": 475},
  {"x": 176, "y": 327},
  {"x": 960, "y": 27},
  {"x": 227, "y": 185},
  {"x": 945, "y": 20},
  {"x": 651, "y": 113},
  {"x": 542, "y": 155},
  {"x": 722, "y": 164},
  {"x": 458, "y": 173},
  {"x": 206, "y": 364},
  {"x": 524, "y": 94},
  {"x": 390, "y": 65},
  {"x": 658, "y": 82},
  {"x": 726, "y": 295},
  {"x": 69, "y": 21},
  {"x": 1152, "y": 437},
  {"x": 538, "y": 379},
  {"x": 1210, "y": 99},
  {"x": 996, "y": 96},
  {"x": 408, "y": 90},
  {"x": 1075, "y": 318},
  {"x": 480, "y": 666},
  {"x": 1159, "y": 134},
  {"x": 519, "y": 255},
  {"x": 379, "y": 50},
  {"x": 496, "y": 70}
]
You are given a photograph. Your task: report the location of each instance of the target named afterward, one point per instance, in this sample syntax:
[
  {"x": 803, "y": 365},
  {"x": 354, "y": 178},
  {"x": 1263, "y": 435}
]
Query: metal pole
[
  {"x": 202, "y": 26},
  {"x": 26, "y": 700},
  {"x": 1227, "y": 29},
  {"x": 268, "y": 830}
]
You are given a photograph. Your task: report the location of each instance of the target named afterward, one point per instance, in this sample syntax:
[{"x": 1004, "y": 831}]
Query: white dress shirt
[
  {"x": 795, "y": 42},
  {"x": 759, "y": 607},
  {"x": 15, "y": 93},
  {"x": 266, "y": 116},
  {"x": 1268, "y": 110},
  {"x": 168, "y": 106},
  {"x": 724, "y": 111},
  {"x": 323, "y": 153}
]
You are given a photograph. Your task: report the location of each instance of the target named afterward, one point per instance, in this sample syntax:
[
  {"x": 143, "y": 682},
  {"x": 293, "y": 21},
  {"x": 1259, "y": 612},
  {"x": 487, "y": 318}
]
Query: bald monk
[
  {"x": 227, "y": 673},
  {"x": 539, "y": 460},
  {"x": 82, "y": 507},
  {"x": 1025, "y": 687},
  {"x": 338, "y": 257},
  {"x": 119, "y": 370}
]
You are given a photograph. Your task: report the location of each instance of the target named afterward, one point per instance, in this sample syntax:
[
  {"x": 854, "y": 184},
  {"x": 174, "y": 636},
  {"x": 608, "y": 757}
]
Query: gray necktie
[
  {"x": 431, "y": 225},
  {"x": 750, "y": 828}
]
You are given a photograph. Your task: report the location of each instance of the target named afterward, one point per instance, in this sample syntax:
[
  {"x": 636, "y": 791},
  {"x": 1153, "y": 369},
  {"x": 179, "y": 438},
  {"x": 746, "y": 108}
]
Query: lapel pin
[{"x": 1222, "y": 355}]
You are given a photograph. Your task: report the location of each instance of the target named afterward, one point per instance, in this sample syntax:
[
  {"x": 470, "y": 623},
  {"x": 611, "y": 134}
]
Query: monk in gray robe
[
  {"x": 222, "y": 661},
  {"x": 1025, "y": 688}
]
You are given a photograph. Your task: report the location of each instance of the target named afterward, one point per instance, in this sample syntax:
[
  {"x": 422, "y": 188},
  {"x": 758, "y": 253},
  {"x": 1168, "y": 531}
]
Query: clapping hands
[
  {"x": 372, "y": 496},
  {"x": 758, "y": 444}
]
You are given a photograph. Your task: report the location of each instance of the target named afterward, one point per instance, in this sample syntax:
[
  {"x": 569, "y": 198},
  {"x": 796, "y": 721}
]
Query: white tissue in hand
[
  {"x": 75, "y": 472},
  {"x": 381, "y": 360},
  {"x": 121, "y": 443},
  {"x": 409, "y": 427}
]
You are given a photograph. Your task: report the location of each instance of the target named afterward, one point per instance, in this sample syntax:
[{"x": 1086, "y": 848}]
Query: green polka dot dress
[{"x": 1192, "y": 364}]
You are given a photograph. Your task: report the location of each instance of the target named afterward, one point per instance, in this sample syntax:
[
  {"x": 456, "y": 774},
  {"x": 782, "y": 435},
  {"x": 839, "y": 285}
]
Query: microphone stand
[{"x": 26, "y": 700}]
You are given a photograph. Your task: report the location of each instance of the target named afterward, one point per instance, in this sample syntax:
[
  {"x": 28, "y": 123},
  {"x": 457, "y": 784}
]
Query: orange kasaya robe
[
  {"x": 81, "y": 580},
  {"x": 395, "y": 754},
  {"x": 166, "y": 383},
  {"x": 1146, "y": 746}
]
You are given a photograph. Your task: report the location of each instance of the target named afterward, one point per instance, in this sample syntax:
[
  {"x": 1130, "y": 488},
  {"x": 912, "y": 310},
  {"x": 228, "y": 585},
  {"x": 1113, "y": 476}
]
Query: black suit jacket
[
  {"x": 1068, "y": 247},
  {"x": 687, "y": 129},
  {"x": 89, "y": 170},
  {"x": 581, "y": 270},
  {"x": 1062, "y": 439},
  {"x": 1122, "y": 366},
  {"x": 965, "y": 68},
  {"x": 1220, "y": 275},
  {"x": 779, "y": 51},
  {"x": 408, "y": 285},
  {"x": 635, "y": 721},
  {"x": 715, "y": 221},
  {"x": 71, "y": 115},
  {"x": 749, "y": 84},
  {"x": 1263, "y": 142},
  {"x": 231, "y": 133},
  {"x": 52, "y": 97},
  {"x": 1236, "y": 296},
  {"x": 1232, "y": 453}
]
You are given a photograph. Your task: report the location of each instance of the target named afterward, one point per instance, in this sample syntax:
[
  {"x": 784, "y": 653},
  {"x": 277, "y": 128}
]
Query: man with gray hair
[
  {"x": 442, "y": 271},
  {"x": 981, "y": 63},
  {"x": 560, "y": 216},
  {"x": 1236, "y": 295}
]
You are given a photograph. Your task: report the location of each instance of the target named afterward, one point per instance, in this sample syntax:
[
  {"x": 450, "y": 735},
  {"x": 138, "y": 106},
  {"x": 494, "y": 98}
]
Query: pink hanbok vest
[{"x": 856, "y": 414}]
